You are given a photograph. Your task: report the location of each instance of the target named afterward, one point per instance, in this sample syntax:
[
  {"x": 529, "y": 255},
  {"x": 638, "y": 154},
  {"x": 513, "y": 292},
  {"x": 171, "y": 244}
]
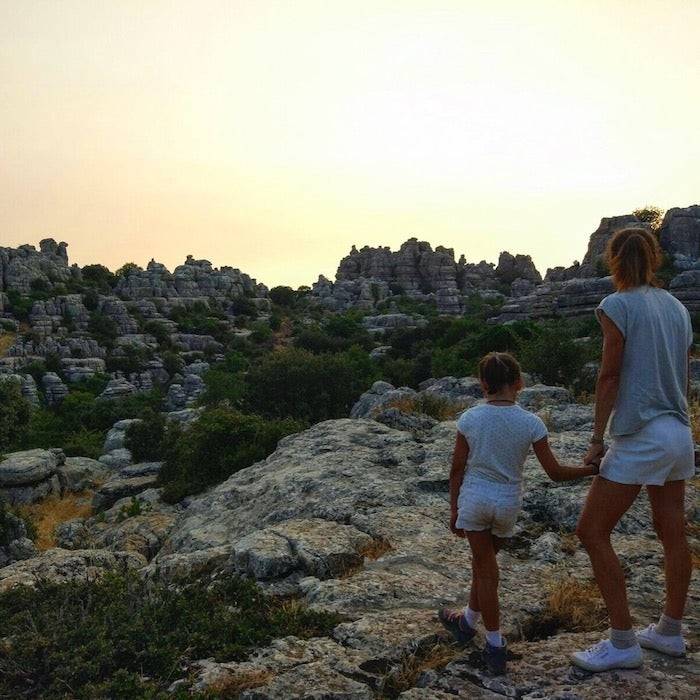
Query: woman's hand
[
  {"x": 595, "y": 454},
  {"x": 453, "y": 526}
]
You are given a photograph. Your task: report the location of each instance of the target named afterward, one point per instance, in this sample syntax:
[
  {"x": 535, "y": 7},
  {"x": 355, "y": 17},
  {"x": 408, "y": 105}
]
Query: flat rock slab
[
  {"x": 114, "y": 489},
  {"x": 541, "y": 670},
  {"x": 316, "y": 547},
  {"x": 29, "y": 467},
  {"x": 62, "y": 566},
  {"x": 82, "y": 473}
]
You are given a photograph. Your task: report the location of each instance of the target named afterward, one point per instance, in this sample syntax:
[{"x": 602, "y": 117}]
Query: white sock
[
  {"x": 494, "y": 638},
  {"x": 472, "y": 617}
]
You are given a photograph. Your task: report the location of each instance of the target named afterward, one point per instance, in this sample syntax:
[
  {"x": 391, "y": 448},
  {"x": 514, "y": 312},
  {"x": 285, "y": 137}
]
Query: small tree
[
  {"x": 283, "y": 296},
  {"x": 651, "y": 215},
  {"x": 15, "y": 413}
]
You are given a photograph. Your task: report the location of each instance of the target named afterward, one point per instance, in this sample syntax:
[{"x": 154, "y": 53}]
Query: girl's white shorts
[{"x": 489, "y": 505}]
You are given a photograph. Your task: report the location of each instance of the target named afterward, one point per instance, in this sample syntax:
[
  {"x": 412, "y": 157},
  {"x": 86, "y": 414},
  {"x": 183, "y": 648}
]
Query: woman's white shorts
[
  {"x": 661, "y": 451},
  {"x": 489, "y": 505}
]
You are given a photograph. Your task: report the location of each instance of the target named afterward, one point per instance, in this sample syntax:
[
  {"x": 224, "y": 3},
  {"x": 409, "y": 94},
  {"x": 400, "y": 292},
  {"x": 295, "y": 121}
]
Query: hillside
[{"x": 210, "y": 488}]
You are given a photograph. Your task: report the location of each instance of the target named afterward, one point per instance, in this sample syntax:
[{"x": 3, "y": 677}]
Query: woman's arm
[
  {"x": 556, "y": 471},
  {"x": 608, "y": 383},
  {"x": 459, "y": 463}
]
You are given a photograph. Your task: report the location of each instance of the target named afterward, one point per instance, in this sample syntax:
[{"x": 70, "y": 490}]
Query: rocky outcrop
[
  {"x": 63, "y": 566},
  {"x": 30, "y": 475},
  {"x": 680, "y": 235},
  {"x": 352, "y": 516},
  {"x": 25, "y": 267},
  {"x": 193, "y": 280},
  {"x": 600, "y": 238},
  {"x": 54, "y": 388},
  {"x": 369, "y": 276}
]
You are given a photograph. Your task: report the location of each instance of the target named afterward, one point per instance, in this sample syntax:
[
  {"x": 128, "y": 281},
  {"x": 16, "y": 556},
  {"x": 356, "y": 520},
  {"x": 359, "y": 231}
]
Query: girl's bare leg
[{"x": 485, "y": 581}]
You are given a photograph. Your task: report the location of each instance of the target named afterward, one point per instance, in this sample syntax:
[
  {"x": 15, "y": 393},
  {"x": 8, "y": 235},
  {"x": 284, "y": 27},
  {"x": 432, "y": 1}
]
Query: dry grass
[
  {"x": 405, "y": 676},
  {"x": 424, "y": 404},
  {"x": 7, "y": 339},
  {"x": 51, "y": 512},
  {"x": 569, "y": 543},
  {"x": 693, "y": 532},
  {"x": 695, "y": 418},
  {"x": 375, "y": 549},
  {"x": 231, "y": 685},
  {"x": 571, "y": 605}
]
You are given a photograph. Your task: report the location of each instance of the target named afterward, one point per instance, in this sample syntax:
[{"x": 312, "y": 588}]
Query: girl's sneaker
[
  {"x": 495, "y": 658},
  {"x": 455, "y": 622},
  {"x": 649, "y": 638},
  {"x": 603, "y": 656}
]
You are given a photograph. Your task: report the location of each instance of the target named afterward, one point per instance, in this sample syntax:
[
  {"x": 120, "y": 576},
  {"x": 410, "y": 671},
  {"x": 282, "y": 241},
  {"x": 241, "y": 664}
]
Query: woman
[{"x": 643, "y": 383}]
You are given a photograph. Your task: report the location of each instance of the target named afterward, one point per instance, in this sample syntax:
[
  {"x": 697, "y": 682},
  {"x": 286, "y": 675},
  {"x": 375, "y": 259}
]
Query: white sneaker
[
  {"x": 649, "y": 638},
  {"x": 604, "y": 656}
]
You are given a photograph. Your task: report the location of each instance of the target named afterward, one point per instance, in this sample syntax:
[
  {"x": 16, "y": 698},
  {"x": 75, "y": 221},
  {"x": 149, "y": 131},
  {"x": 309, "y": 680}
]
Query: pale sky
[{"x": 271, "y": 136}]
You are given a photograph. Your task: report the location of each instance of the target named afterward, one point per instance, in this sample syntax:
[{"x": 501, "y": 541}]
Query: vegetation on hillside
[{"x": 123, "y": 638}]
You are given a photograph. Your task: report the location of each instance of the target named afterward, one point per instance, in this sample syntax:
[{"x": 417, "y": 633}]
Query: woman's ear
[{"x": 519, "y": 384}]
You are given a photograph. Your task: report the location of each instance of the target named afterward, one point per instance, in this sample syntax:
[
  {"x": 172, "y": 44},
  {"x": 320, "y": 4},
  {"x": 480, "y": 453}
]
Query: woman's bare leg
[
  {"x": 485, "y": 580},
  {"x": 607, "y": 502},
  {"x": 667, "y": 505}
]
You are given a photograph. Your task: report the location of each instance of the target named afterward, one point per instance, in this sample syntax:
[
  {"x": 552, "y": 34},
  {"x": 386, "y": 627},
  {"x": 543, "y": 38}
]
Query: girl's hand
[
  {"x": 453, "y": 526},
  {"x": 594, "y": 455}
]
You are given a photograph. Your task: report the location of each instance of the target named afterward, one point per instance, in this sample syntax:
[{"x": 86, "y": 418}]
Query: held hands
[{"x": 596, "y": 452}]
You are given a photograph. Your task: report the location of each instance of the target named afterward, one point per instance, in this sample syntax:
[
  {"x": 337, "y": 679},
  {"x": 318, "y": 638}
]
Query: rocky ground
[{"x": 351, "y": 516}]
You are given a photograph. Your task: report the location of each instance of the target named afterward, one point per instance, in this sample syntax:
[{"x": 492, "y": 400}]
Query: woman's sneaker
[
  {"x": 603, "y": 656},
  {"x": 495, "y": 658},
  {"x": 455, "y": 622},
  {"x": 649, "y": 638}
]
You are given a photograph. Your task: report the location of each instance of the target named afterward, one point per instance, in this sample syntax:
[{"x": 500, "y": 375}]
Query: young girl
[{"x": 493, "y": 441}]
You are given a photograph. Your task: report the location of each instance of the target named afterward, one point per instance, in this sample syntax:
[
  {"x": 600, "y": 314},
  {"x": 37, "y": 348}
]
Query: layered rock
[
  {"x": 25, "y": 267},
  {"x": 30, "y": 475}
]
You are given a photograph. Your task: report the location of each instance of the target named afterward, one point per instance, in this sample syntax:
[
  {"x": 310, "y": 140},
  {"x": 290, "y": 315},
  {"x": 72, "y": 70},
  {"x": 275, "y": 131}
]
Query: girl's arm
[
  {"x": 459, "y": 463},
  {"x": 556, "y": 471}
]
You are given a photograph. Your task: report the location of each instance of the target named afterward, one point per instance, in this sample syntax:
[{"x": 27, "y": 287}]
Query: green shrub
[
  {"x": 223, "y": 386},
  {"x": 220, "y": 443},
  {"x": 298, "y": 384},
  {"x": 145, "y": 439},
  {"x": 243, "y": 306},
  {"x": 103, "y": 329},
  {"x": 283, "y": 296},
  {"x": 99, "y": 276},
  {"x": 553, "y": 355},
  {"x": 123, "y": 638},
  {"x": 15, "y": 413}
]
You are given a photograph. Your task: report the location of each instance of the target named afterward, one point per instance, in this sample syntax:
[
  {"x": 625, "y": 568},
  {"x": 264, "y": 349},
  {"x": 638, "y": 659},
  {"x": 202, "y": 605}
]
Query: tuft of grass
[
  {"x": 51, "y": 512},
  {"x": 425, "y": 404},
  {"x": 7, "y": 340},
  {"x": 405, "y": 675},
  {"x": 233, "y": 684},
  {"x": 378, "y": 547},
  {"x": 695, "y": 418},
  {"x": 571, "y": 605},
  {"x": 569, "y": 543}
]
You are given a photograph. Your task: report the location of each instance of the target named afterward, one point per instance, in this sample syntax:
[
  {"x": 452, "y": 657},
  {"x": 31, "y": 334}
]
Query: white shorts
[
  {"x": 489, "y": 505},
  {"x": 661, "y": 451}
]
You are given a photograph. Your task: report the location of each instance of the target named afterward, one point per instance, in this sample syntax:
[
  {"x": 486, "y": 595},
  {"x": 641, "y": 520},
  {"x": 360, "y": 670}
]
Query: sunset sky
[{"x": 271, "y": 136}]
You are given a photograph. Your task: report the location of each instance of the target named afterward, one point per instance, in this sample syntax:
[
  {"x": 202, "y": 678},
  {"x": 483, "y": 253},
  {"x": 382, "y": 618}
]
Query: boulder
[
  {"x": 542, "y": 395},
  {"x": 380, "y": 396},
  {"x": 81, "y": 473},
  {"x": 116, "y": 459},
  {"x": 30, "y": 475},
  {"x": 119, "y": 487},
  {"x": 64, "y": 566}
]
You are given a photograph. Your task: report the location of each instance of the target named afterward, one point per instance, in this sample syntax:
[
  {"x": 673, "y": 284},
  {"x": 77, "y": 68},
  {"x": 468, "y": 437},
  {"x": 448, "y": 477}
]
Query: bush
[
  {"x": 243, "y": 306},
  {"x": 8, "y": 519},
  {"x": 103, "y": 329},
  {"x": 222, "y": 386},
  {"x": 283, "y": 296},
  {"x": 295, "y": 383},
  {"x": 553, "y": 355},
  {"x": 15, "y": 413},
  {"x": 99, "y": 276},
  {"x": 145, "y": 439},
  {"x": 120, "y": 637},
  {"x": 217, "y": 445}
]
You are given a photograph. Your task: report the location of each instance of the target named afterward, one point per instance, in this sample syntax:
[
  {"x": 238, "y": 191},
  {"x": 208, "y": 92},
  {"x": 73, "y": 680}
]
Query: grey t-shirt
[
  {"x": 499, "y": 440},
  {"x": 654, "y": 378}
]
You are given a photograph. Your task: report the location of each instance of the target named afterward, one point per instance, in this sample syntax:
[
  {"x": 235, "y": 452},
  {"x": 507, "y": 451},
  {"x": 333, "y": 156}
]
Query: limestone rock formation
[
  {"x": 25, "y": 267},
  {"x": 30, "y": 475},
  {"x": 680, "y": 235}
]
